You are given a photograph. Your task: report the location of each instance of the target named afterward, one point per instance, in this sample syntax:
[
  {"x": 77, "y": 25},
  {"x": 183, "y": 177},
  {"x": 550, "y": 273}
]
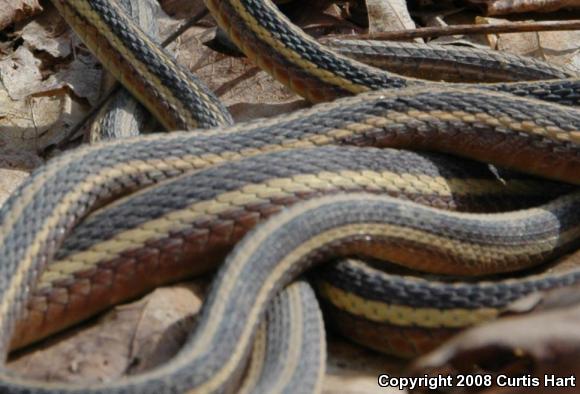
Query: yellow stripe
[
  {"x": 296, "y": 333},
  {"x": 183, "y": 163},
  {"x": 277, "y": 188},
  {"x": 125, "y": 169},
  {"x": 290, "y": 55},
  {"x": 485, "y": 257},
  {"x": 401, "y": 315},
  {"x": 86, "y": 11},
  {"x": 204, "y": 338},
  {"x": 257, "y": 360}
]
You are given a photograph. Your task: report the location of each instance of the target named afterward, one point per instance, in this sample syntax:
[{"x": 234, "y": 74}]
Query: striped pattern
[
  {"x": 82, "y": 180},
  {"x": 541, "y": 139},
  {"x": 153, "y": 236},
  {"x": 175, "y": 97},
  {"x": 317, "y": 73}
]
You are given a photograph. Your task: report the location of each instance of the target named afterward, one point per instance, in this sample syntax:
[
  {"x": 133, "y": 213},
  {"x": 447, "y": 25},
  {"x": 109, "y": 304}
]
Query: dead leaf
[
  {"x": 455, "y": 16},
  {"x": 389, "y": 15},
  {"x": 10, "y": 180},
  {"x": 239, "y": 84},
  {"x": 129, "y": 339},
  {"x": 20, "y": 73},
  {"x": 505, "y": 7},
  {"x": 48, "y": 33},
  {"x": 29, "y": 125},
  {"x": 47, "y": 81},
  {"x": 51, "y": 58},
  {"x": 544, "y": 342},
  {"x": 351, "y": 369},
  {"x": 167, "y": 318},
  {"x": 539, "y": 344},
  {"x": 180, "y": 9},
  {"x": 17, "y": 10},
  {"x": 558, "y": 47},
  {"x": 321, "y": 17}
]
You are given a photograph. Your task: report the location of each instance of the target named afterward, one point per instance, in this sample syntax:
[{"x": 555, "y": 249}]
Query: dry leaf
[
  {"x": 10, "y": 179},
  {"x": 128, "y": 339},
  {"x": 39, "y": 104},
  {"x": 17, "y": 10},
  {"x": 247, "y": 91},
  {"x": 505, "y": 7},
  {"x": 351, "y": 369},
  {"x": 546, "y": 341},
  {"x": 244, "y": 88},
  {"x": 167, "y": 318},
  {"x": 558, "y": 47},
  {"x": 321, "y": 17},
  {"x": 537, "y": 345},
  {"x": 180, "y": 9},
  {"x": 388, "y": 16},
  {"x": 33, "y": 123},
  {"x": 48, "y": 33}
]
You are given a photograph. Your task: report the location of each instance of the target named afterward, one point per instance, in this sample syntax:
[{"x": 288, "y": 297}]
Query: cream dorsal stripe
[
  {"x": 316, "y": 72},
  {"x": 118, "y": 162},
  {"x": 78, "y": 181},
  {"x": 176, "y": 206}
]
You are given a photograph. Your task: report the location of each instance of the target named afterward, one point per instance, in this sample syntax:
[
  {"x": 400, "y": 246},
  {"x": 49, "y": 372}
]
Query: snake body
[
  {"x": 485, "y": 124},
  {"x": 158, "y": 245},
  {"x": 267, "y": 37},
  {"x": 177, "y": 98},
  {"x": 446, "y": 62},
  {"x": 123, "y": 115},
  {"x": 87, "y": 177}
]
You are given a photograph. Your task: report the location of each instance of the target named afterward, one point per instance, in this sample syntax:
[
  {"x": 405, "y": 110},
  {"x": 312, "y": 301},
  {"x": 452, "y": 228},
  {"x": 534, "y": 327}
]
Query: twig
[
  {"x": 190, "y": 23},
  {"x": 509, "y": 27}
]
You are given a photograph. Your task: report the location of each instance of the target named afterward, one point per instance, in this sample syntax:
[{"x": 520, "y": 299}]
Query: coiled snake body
[{"x": 233, "y": 191}]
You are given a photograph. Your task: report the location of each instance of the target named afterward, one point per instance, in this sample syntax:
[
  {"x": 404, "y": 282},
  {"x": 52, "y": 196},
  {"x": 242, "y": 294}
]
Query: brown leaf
[
  {"x": 320, "y": 17},
  {"x": 388, "y": 15},
  {"x": 10, "y": 180},
  {"x": 129, "y": 339},
  {"x": 17, "y": 10},
  {"x": 48, "y": 33},
  {"x": 537, "y": 345},
  {"x": 452, "y": 17},
  {"x": 47, "y": 81},
  {"x": 247, "y": 91},
  {"x": 182, "y": 9},
  {"x": 544, "y": 342},
  {"x": 351, "y": 369},
  {"x": 558, "y": 47},
  {"x": 34, "y": 122},
  {"x": 167, "y": 317},
  {"x": 504, "y": 7}
]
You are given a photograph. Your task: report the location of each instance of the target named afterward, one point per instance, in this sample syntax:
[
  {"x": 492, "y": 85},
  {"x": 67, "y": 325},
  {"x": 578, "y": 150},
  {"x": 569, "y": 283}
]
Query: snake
[
  {"x": 484, "y": 124},
  {"x": 446, "y": 62},
  {"x": 249, "y": 190},
  {"x": 122, "y": 115}
]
